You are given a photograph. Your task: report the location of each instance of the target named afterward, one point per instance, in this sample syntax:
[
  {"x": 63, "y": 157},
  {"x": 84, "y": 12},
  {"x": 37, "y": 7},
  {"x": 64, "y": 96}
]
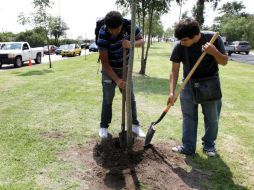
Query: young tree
[
  {"x": 40, "y": 18},
  {"x": 146, "y": 9}
]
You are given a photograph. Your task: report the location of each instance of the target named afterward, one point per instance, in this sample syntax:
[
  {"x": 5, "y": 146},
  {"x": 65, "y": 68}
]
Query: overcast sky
[{"x": 81, "y": 15}]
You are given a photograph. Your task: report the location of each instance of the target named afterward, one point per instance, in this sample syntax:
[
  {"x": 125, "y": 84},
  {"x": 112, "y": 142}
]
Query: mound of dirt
[{"x": 157, "y": 167}]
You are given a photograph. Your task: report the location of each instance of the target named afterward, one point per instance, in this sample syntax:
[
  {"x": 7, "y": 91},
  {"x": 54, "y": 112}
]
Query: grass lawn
[{"x": 45, "y": 111}]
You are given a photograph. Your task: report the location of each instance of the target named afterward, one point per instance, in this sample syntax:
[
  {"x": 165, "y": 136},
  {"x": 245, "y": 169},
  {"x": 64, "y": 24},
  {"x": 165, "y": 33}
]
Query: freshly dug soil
[{"x": 107, "y": 166}]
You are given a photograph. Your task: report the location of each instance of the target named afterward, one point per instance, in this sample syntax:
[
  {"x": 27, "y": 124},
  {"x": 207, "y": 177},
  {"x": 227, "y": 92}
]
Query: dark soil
[{"x": 107, "y": 166}]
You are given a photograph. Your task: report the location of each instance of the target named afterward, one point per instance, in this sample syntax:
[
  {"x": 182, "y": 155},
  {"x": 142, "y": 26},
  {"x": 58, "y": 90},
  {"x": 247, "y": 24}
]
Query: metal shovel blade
[{"x": 149, "y": 135}]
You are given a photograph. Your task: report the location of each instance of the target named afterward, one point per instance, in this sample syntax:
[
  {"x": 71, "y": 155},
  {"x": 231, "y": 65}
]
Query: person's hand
[
  {"x": 121, "y": 83},
  {"x": 209, "y": 48},
  {"x": 126, "y": 44},
  {"x": 170, "y": 100}
]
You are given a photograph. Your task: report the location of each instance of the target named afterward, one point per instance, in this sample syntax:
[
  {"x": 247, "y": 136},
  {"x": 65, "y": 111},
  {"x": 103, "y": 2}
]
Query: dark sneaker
[{"x": 210, "y": 152}]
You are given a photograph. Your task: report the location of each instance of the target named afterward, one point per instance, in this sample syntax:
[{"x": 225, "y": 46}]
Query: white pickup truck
[{"x": 18, "y": 52}]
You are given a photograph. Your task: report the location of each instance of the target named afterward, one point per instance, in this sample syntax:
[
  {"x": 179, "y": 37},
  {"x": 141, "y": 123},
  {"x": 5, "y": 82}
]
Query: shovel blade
[{"x": 149, "y": 135}]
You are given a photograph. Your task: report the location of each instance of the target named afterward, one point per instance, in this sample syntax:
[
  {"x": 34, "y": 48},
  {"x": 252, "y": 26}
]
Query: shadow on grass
[
  {"x": 36, "y": 72},
  {"x": 220, "y": 176},
  {"x": 151, "y": 85},
  {"x": 215, "y": 174}
]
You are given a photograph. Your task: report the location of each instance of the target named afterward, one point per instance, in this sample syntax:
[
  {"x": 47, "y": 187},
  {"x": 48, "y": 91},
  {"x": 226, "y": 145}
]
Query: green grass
[{"x": 44, "y": 111}]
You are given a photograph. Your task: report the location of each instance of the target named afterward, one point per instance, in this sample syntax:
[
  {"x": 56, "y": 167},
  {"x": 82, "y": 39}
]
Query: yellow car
[{"x": 71, "y": 50}]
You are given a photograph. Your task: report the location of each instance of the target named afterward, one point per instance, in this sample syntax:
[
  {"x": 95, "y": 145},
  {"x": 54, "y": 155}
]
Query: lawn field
[{"x": 44, "y": 112}]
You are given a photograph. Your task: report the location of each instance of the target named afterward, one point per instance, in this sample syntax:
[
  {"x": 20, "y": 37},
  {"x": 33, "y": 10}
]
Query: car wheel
[
  {"x": 247, "y": 52},
  {"x": 229, "y": 53},
  {"x": 38, "y": 58},
  {"x": 79, "y": 53},
  {"x": 0, "y": 65},
  {"x": 73, "y": 54},
  {"x": 18, "y": 62}
]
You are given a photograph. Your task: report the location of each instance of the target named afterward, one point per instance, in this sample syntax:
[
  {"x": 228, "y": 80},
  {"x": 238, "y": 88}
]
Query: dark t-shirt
[{"x": 208, "y": 66}]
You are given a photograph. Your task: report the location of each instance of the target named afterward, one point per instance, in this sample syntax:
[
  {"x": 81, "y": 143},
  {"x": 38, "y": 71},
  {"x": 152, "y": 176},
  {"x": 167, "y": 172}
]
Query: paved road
[
  {"x": 45, "y": 59},
  {"x": 243, "y": 58}
]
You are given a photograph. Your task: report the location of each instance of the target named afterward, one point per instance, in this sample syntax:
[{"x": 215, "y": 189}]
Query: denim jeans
[
  {"x": 211, "y": 111},
  {"x": 108, "y": 90}
]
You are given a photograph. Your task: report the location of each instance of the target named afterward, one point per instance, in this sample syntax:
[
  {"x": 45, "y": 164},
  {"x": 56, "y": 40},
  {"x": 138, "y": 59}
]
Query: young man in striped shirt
[{"x": 113, "y": 37}]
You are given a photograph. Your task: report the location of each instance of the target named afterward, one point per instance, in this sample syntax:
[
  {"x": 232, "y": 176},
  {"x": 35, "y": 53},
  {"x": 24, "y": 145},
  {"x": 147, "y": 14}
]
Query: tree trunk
[
  {"x": 143, "y": 65},
  {"x": 143, "y": 45}
]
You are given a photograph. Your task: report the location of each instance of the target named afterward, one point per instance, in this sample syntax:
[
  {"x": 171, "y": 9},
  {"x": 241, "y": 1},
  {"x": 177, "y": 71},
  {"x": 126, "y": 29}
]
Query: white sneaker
[
  {"x": 138, "y": 131},
  {"x": 103, "y": 133}
]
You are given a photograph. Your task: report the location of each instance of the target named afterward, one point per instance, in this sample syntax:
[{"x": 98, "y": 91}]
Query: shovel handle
[{"x": 215, "y": 36}]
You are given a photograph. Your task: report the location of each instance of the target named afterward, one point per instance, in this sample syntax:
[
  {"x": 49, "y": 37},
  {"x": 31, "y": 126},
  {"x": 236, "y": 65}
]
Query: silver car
[{"x": 240, "y": 46}]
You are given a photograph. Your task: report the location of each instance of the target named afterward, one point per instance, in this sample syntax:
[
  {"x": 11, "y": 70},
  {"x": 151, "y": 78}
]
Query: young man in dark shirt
[
  {"x": 191, "y": 44},
  {"x": 113, "y": 37}
]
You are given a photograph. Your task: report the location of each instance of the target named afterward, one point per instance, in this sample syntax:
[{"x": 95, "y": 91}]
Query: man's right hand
[
  {"x": 170, "y": 100},
  {"x": 121, "y": 83}
]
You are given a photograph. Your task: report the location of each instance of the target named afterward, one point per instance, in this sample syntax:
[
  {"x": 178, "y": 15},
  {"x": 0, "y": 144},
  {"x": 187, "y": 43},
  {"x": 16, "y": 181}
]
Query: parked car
[
  {"x": 93, "y": 47},
  {"x": 51, "y": 49},
  {"x": 85, "y": 46},
  {"x": 240, "y": 46},
  {"x": 229, "y": 49},
  {"x": 18, "y": 52},
  {"x": 58, "y": 51},
  {"x": 71, "y": 50}
]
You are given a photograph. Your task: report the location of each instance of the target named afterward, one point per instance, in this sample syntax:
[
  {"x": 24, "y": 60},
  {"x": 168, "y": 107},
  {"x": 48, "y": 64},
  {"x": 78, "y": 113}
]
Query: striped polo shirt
[{"x": 113, "y": 44}]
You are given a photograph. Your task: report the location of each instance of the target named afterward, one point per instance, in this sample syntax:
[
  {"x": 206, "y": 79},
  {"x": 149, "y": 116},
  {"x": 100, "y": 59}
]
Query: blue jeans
[
  {"x": 211, "y": 111},
  {"x": 108, "y": 90}
]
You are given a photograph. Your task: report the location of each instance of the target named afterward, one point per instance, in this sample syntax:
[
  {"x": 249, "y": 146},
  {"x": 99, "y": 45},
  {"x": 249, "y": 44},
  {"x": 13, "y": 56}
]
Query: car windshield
[
  {"x": 63, "y": 47},
  {"x": 11, "y": 46},
  {"x": 244, "y": 43},
  {"x": 71, "y": 46}
]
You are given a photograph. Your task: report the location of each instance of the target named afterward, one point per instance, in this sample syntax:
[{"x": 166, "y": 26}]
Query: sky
[{"x": 81, "y": 15}]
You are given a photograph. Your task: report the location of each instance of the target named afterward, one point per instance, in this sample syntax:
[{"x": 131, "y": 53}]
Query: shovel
[
  {"x": 123, "y": 133},
  {"x": 151, "y": 130}
]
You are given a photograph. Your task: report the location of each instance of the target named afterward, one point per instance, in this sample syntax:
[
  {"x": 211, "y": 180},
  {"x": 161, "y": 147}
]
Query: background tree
[
  {"x": 57, "y": 28},
  {"x": 198, "y": 10},
  {"x": 35, "y": 37},
  {"x": 146, "y": 10},
  {"x": 40, "y": 18},
  {"x": 169, "y": 33},
  {"x": 234, "y": 23},
  {"x": 154, "y": 7},
  {"x": 7, "y": 36}
]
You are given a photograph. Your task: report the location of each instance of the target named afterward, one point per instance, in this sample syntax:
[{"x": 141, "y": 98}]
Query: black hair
[
  {"x": 187, "y": 28},
  {"x": 113, "y": 19}
]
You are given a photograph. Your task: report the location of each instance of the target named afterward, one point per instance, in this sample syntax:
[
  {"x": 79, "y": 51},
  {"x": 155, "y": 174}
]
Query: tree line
[{"x": 232, "y": 22}]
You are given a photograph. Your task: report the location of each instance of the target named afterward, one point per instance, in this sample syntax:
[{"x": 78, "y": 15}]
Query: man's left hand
[{"x": 126, "y": 44}]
